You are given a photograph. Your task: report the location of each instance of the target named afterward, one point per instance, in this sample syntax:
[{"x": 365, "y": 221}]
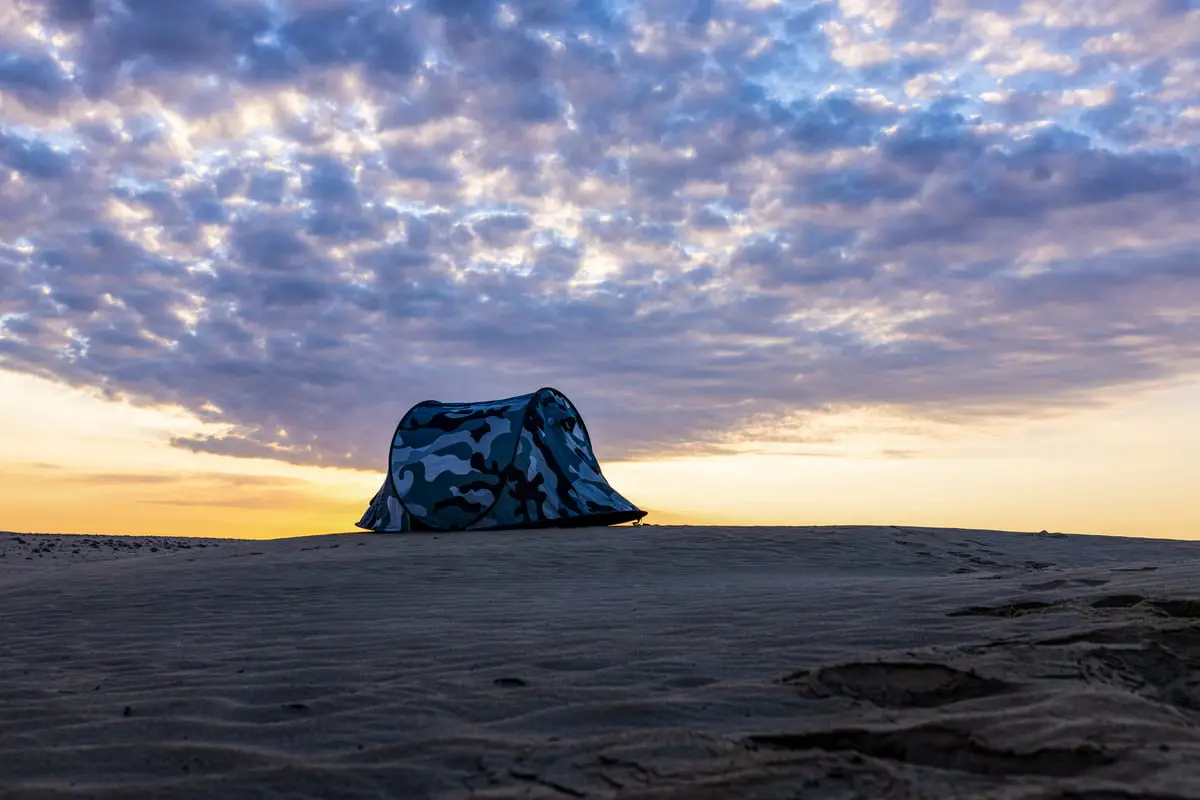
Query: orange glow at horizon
[{"x": 73, "y": 462}]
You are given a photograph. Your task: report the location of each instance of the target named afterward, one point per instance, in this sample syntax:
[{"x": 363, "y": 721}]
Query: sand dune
[
  {"x": 24, "y": 553},
  {"x": 644, "y": 663}
]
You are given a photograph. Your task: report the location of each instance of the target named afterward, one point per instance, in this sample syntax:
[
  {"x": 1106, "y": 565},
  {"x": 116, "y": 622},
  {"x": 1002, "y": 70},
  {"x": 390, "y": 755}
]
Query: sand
[{"x": 648, "y": 662}]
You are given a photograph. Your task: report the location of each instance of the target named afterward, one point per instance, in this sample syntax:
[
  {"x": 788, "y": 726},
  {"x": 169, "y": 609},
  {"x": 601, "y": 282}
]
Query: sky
[{"x": 924, "y": 262}]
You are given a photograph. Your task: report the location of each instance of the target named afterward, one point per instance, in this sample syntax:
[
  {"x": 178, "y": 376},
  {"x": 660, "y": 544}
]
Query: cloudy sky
[{"x": 923, "y": 261}]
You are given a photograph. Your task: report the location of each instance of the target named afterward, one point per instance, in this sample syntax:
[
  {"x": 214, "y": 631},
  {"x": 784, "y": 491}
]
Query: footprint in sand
[
  {"x": 896, "y": 684},
  {"x": 1165, "y": 607},
  {"x": 1180, "y": 609},
  {"x": 1017, "y": 609},
  {"x": 1160, "y": 667},
  {"x": 944, "y": 747},
  {"x": 1062, "y": 583}
]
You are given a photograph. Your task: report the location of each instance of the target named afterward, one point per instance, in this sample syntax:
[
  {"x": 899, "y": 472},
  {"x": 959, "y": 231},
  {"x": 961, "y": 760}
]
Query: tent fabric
[{"x": 522, "y": 462}]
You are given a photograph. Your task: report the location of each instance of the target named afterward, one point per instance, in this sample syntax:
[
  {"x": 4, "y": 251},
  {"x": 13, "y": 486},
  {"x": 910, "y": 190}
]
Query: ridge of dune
[
  {"x": 22, "y": 554},
  {"x": 651, "y": 662}
]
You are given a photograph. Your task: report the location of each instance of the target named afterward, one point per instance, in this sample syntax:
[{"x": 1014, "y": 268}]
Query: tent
[{"x": 524, "y": 462}]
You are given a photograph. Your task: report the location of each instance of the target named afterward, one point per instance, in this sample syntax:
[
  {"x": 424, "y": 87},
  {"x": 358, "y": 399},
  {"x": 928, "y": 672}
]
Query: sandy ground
[{"x": 643, "y": 663}]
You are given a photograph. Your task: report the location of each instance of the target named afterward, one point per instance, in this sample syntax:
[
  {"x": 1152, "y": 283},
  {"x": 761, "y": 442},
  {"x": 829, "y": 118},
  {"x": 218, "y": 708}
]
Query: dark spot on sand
[
  {"x": 942, "y": 747},
  {"x": 1064, "y": 582},
  {"x": 1017, "y": 609},
  {"x": 897, "y": 684},
  {"x": 1181, "y": 609},
  {"x": 510, "y": 682}
]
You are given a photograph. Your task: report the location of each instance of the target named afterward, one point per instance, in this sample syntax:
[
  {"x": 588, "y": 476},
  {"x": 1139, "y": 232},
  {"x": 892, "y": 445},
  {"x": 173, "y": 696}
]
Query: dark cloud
[
  {"x": 33, "y": 158},
  {"x": 70, "y": 12},
  {"x": 270, "y": 242},
  {"x": 929, "y": 137},
  {"x": 37, "y": 80},
  {"x": 267, "y": 187},
  {"x": 293, "y": 292},
  {"x": 501, "y": 229},
  {"x": 690, "y": 216},
  {"x": 709, "y": 218}
]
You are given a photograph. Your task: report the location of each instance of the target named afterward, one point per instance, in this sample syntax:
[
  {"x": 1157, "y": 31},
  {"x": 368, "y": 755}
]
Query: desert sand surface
[{"x": 651, "y": 662}]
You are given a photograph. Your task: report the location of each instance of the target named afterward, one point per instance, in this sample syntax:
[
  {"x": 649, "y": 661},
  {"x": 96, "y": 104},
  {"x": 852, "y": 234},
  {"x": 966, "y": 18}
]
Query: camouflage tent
[{"x": 524, "y": 462}]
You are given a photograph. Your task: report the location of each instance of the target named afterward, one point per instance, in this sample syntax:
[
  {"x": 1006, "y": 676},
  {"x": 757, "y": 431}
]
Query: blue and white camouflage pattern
[{"x": 523, "y": 462}]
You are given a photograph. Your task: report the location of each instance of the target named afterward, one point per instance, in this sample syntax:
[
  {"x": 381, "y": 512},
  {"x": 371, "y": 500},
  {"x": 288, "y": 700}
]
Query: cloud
[
  {"x": 36, "y": 80},
  {"x": 185, "y": 480},
  {"x": 691, "y": 217},
  {"x": 32, "y": 158}
]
